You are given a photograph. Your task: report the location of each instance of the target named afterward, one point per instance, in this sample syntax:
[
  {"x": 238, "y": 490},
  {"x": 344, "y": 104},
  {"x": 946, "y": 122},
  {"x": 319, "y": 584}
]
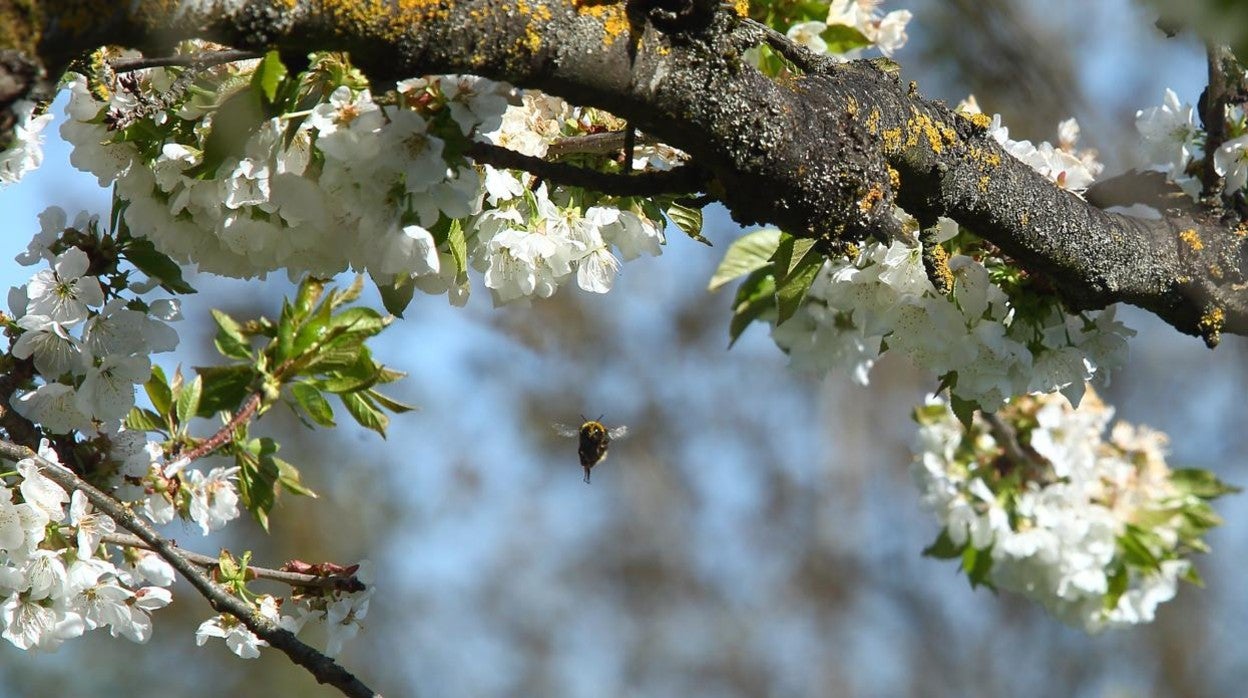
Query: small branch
[
  {"x": 680, "y": 180},
  {"x": 595, "y": 143},
  {"x": 1213, "y": 114},
  {"x": 224, "y": 434},
  {"x": 18, "y": 428},
  {"x": 196, "y": 60},
  {"x": 294, "y": 579},
  {"x": 325, "y": 670},
  {"x": 1007, "y": 438},
  {"x": 794, "y": 52}
]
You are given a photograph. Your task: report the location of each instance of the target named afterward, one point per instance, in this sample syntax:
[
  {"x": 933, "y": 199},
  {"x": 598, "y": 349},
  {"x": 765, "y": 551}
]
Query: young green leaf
[
  {"x": 797, "y": 262},
  {"x": 365, "y": 412},
  {"x": 268, "y": 76},
  {"x": 689, "y": 220},
  {"x": 1200, "y": 483},
  {"x": 943, "y": 548},
  {"x": 143, "y": 255},
  {"x": 396, "y": 296},
  {"x": 313, "y": 403},
  {"x": 746, "y": 254},
  {"x": 230, "y": 340},
  {"x": 225, "y": 388},
  {"x": 157, "y": 389},
  {"x": 188, "y": 400},
  {"x": 755, "y": 296}
]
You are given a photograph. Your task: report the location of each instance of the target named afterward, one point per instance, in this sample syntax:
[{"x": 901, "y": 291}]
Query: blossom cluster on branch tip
[
  {"x": 328, "y": 177},
  {"x": 25, "y": 153},
  {"x": 329, "y": 620},
  {"x": 57, "y": 578},
  {"x": 1038, "y": 501},
  {"x": 1173, "y": 143},
  {"x": 977, "y": 337},
  {"x": 886, "y": 32}
]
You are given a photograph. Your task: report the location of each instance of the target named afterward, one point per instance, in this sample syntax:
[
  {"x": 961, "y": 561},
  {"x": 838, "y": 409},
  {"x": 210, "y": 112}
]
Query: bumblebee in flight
[{"x": 594, "y": 439}]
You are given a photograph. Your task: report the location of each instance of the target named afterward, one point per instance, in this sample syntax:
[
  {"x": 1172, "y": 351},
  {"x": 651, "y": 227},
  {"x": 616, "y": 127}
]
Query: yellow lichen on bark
[
  {"x": 611, "y": 15},
  {"x": 1192, "y": 239}
]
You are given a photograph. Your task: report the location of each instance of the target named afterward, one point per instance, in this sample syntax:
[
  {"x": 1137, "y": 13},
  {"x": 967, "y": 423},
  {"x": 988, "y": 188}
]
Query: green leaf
[
  {"x": 188, "y": 400},
  {"x": 1136, "y": 551},
  {"x": 964, "y": 410},
  {"x": 755, "y": 296},
  {"x": 396, "y": 296},
  {"x": 746, "y": 254},
  {"x": 359, "y": 320},
  {"x": 225, "y": 388},
  {"x": 797, "y": 262},
  {"x": 842, "y": 38},
  {"x": 1119, "y": 579},
  {"x": 459, "y": 248},
  {"x": 141, "y": 419},
  {"x": 268, "y": 76},
  {"x": 943, "y": 548},
  {"x": 157, "y": 389},
  {"x": 1200, "y": 483},
  {"x": 310, "y": 291},
  {"x": 239, "y": 115},
  {"x": 390, "y": 403},
  {"x": 1193, "y": 577},
  {"x": 286, "y": 330},
  {"x": 365, "y": 413},
  {"x": 360, "y": 374},
  {"x": 288, "y": 478},
  {"x": 230, "y": 340},
  {"x": 146, "y": 258},
  {"x": 977, "y": 564},
  {"x": 689, "y": 220},
  {"x": 313, "y": 403}
]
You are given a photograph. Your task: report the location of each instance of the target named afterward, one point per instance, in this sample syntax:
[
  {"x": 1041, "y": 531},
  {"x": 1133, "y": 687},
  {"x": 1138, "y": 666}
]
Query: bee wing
[
  {"x": 618, "y": 432},
  {"x": 565, "y": 430}
]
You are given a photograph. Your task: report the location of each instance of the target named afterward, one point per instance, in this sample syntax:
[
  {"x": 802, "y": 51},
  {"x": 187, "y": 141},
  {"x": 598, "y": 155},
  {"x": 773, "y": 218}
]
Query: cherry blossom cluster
[
  {"x": 1067, "y": 166},
  {"x": 974, "y": 337},
  {"x": 88, "y": 338},
  {"x": 887, "y": 32},
  {"x": 350, "y": 180},
  {"x": 1175, "y": 145},
  {"x": 25, "y": 153},
  {"x": 329, "y": 619},
  {"x": 1038, "y": 501},
  {"x": 57, "y": 576},
  {"x": 89, "y": 342}
]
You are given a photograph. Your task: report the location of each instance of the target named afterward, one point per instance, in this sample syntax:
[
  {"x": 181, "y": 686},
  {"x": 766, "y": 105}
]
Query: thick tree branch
[
  {"x": 325, "y": 669},
  {"x": 823, "y": 155}
]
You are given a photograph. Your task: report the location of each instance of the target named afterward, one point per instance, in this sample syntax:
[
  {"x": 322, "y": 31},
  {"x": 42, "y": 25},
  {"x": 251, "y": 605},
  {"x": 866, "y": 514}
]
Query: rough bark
[{"x": 824, "y": 154}]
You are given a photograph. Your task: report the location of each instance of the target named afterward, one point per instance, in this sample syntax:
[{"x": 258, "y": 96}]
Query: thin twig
[
  {"x": 680, "y": 180},
  {"x": 1213, "y": 114},
  {"x": 324, "y": 669},
  {"x": 224, "y": 434},
  {"x": 200, "y": 60},
  {"x": 796, "y": 54},
  {"x": 595, "y": 143},
  {"x": 1005, "y": 436},
  {"x": 294, "y": 579}
]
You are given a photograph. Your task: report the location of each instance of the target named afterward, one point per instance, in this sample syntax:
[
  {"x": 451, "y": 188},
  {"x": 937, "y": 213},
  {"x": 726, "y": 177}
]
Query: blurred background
[{"x": 757, "y": 533}]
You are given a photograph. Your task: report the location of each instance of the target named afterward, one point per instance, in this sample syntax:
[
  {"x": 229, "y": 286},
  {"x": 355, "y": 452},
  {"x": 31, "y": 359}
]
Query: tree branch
[
  {"x": 294, "y": 579},
  {"x": 222, "y": 435},
  {"x": 815, "y": 155},
  {"x": 325, "y": 669},
  {"x": 680, "y": 180}
]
